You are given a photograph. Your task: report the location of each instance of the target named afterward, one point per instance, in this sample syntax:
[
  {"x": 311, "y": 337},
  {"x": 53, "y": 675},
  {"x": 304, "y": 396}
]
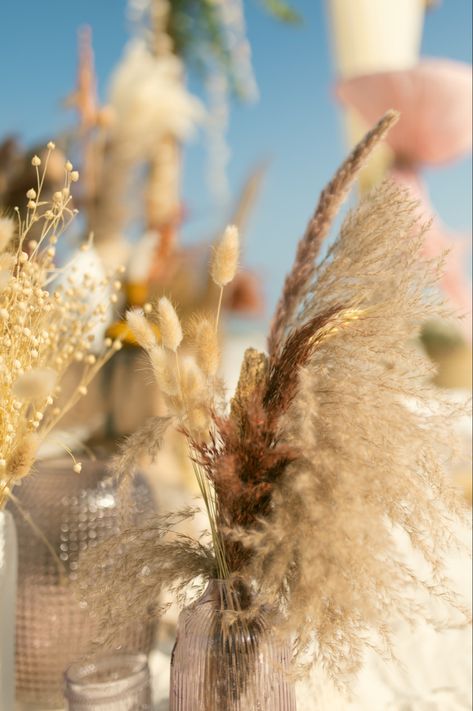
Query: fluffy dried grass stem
[{"x": 329, "y": 203}]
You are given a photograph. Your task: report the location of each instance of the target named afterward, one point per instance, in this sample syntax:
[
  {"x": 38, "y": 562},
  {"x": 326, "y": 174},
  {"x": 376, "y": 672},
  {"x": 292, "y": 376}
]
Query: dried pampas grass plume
[
  {"x": 141, "y": 329},
  {"x": 225, "y": 257},
  {"x": 330, "y": 201},
  {"x": 371, "y": 478},
  {"x": 147, "y": 441},
  {"x": 169, "y": 324}
]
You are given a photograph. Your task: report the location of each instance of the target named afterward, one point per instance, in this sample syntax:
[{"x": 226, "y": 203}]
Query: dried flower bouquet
[
  {"x": 48, "y": 321},
  {"x": 329, "y": 451}
]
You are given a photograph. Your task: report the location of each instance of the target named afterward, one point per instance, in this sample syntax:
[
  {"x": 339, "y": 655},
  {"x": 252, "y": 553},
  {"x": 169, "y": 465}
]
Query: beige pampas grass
[
  {"x": 329, "y": 203},
  {"x": 225, "y": 257},
  {"x": 371, "y": 435},
  {"x": 141, "y": 329},
  {"x": 147, "y": 441},
  {"x": 169, "y": 324},
  {"x": 205, "y": 340}
]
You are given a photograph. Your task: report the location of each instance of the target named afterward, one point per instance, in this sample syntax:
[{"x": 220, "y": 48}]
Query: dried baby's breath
[{"x": 48, "y": 320}]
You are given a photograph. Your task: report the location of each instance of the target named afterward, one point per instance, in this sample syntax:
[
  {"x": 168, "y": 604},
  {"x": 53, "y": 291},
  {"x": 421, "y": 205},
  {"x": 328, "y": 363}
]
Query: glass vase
[
  {"x": 113, "y": 683},
  {"x": 224, "y": 660},
  {"x": 73, "y": 512},
  {"x": 8, "y": 577}
]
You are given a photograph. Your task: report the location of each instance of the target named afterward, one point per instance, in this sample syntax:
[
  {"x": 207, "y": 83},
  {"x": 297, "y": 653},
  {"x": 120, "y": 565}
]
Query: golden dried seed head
[
  {"x": 169, "y": 324},
  {"x": 141, "y": 329},
  {"x": 206, "y": 346},
  {"x": 225, "y": 258},
  {"x": 164, "y": 369}
]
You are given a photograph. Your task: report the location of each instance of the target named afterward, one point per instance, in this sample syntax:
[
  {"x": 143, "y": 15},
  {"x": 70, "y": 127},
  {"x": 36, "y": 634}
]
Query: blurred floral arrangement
[
  {"x": 47, "y": 321},
  {"x": 328, "y": 452},
  {"x": 129, "y": 152}
]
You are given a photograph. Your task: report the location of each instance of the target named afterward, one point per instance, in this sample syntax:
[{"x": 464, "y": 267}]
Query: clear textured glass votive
[{"x": 118, "y": 682}]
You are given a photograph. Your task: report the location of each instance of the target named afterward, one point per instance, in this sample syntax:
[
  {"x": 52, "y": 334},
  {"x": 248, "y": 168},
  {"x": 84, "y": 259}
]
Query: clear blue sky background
[{"x": 296, "y": 123}]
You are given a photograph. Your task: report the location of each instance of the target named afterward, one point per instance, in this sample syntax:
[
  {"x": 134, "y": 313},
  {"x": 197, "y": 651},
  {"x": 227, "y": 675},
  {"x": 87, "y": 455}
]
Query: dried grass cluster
[
  {"x": 47, "y": 322},
  {"x": 334, "y": 446}
]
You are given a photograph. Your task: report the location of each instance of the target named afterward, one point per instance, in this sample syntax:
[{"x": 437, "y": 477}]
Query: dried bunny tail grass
[
  {"x": 141, "y": 329},
  {"x": 147, "y": 441},
  {"x": 192, "y": 380},
  {"x": 35, "y": 384},
  {"x": 169, "y": 324},
  {"x": 199, "y": 421},
  {"x": 7, "y": 230},
  {"x": 141, "y": 564},
  {"x": 206, "y": 346},
  {"x": 164, "y": 369},
  {"x": 20, "y": 463},
  {"x": 225, "y": 257},
  {"x": 370, "y": 485},
  {"x": 331, "y": 198}
]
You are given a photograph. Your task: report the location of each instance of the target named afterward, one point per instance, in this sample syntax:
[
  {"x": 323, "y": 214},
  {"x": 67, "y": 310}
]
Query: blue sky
[{"x": 295, "y": 124}]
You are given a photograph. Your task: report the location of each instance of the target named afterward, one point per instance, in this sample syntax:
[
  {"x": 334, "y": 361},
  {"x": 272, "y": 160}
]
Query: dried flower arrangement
[
  {"x": 334, "y": 444},
  {"x": 48, "y": 321}
]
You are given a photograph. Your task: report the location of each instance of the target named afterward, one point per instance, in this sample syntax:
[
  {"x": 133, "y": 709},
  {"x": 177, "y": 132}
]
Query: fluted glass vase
[
  {"x": 226, "y": 660},
  {"x": 8, "y": 572},
  {"x": 54, "y": 628}
]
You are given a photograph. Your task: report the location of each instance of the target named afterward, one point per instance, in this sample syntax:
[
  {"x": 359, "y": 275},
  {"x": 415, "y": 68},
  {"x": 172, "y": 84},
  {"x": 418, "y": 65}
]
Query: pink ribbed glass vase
[{"x": 223, "y": 660}]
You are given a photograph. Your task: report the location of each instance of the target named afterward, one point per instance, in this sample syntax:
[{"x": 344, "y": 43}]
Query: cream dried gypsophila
[
  {"x": 150, "y": 100},
  {"x": 46, "y": 324}
]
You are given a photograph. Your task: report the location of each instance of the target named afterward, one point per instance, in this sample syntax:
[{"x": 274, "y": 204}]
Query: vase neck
[{"x": 227, "y": 595}]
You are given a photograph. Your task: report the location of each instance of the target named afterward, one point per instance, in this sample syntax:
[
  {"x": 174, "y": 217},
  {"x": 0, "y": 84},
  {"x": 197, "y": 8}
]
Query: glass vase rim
[{"x": 134, "y": 668}]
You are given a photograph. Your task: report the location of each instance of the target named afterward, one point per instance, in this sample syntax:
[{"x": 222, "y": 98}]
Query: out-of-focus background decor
[{"x": 183, "y": 116}]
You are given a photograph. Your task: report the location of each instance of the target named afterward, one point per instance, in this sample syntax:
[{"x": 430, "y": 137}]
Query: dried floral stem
[
  {"x": 331, "y": 198},
  {"x": 219, "y": 308}
]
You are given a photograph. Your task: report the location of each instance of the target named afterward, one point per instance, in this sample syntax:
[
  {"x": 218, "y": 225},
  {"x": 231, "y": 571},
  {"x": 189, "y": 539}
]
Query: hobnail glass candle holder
[
  {"x": 74, "y": 512},
  {"x": 117, "y": 682}
]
